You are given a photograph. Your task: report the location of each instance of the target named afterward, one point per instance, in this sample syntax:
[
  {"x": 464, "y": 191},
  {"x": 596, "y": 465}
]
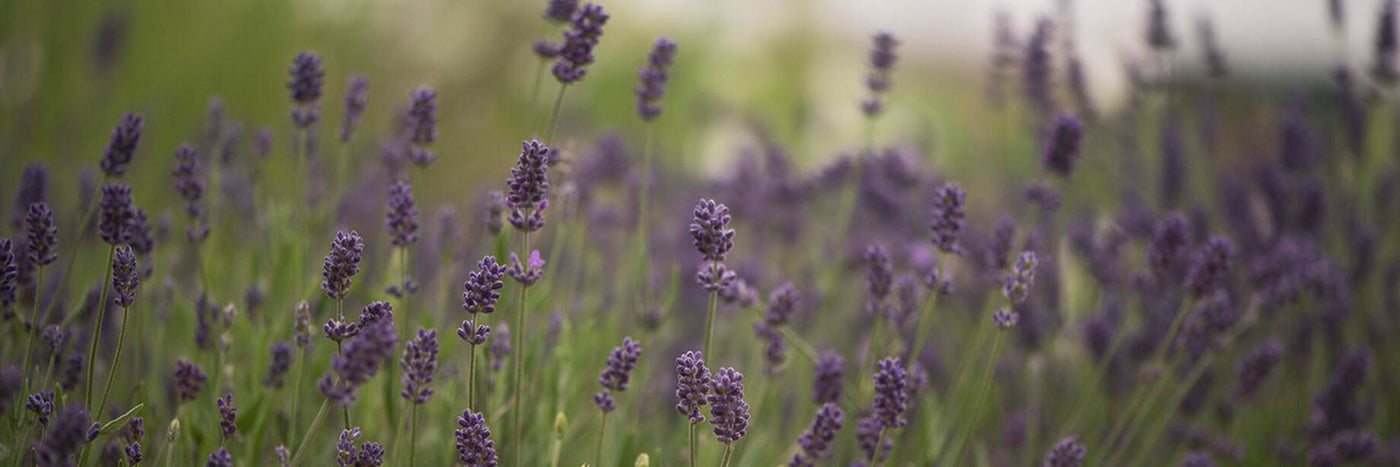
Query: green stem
[
  {"x": 1158, "y": 356},
  {"x": 412, "y": 432},
  {"x": 554, "y": 115},
  {"x": 692, "y": 440},
  {"x": 34, "y": 327},
  {"x": 710, "y": 316},
  {"x": 296, "y": 389},
  {"x": 602, "y": 432},
  {"x": 518, "y": 404},
  {"x": 925, "y": 321},
  {"x": 80, "y": 226},
  {"x": 984, "y": 387},
  {"x": 112, "y": 372},
  {"x": 879, "y": 443},
  {"x": 535, "y": 94},
  {"x": 728, "y": 452},
  {"x": 311, "y": 430},
  {"x": 471, "y": 374},
  {"x": 97, "y": 330}
]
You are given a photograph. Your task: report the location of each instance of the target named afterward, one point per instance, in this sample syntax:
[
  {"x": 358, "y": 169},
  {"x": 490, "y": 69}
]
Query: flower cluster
[{"x": 617, "y": 373}]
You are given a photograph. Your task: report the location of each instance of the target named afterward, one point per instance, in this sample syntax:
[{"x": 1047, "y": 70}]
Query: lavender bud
[
  {"x": 560, "y": 11},
  {"x": 1037, "y": 68},
  {"x": 359, "y": 359},
  {"x": 527, "y": 186},
  {"x": 715, "y": 277},
  {"x": 33, "y": 188},
  {"x": 827, "y": 378},
  {"x": 42, "y": 234},
  {"x": 227, "y": 415},
  {"x": 500, "y": 347},
  {"x": 530, "y": 271},
  {"x": 867, "y": 436},
  {"x": 125, "y": 277},
  {"x": 774, "y": 349},
  {"x": 879, "y": 276},
  {"x": 728, "y": 411},
  {"x": 474, "y": 445},
  {"x": 187, "y": 180},
  {"x": 482, "y": 286},
  {"x": 278, "y": 366},
  {"x": 1016, "y": 285},
  {"x": 586, "y": 27},
  {"x": 1005, "y": 318},
  {"x": 121, "y": 147},
  {"x": 1069, "y": 452},
  {"x": 709, "y": 227},
  {"x": 341, "y": 264},
  {"x": 115, "y": 213},
  {"x": 9, "y": 275},
  {"x": 545, "y": 49},
  {"x": 356, "y": 97},
  {"x": 616, "y": 373},
  {"x": 816, "y": 441},
  {"x": 653, "y": 78},
  {"x": 1211, "y": 266},
  {"x": 782, "y": 303},
  {"x": 1256, "y": 367},
  {"x": 473, "y": 333},
  {"x": 54, "y": 338},
  {"x": 41, "y": 405},
  {"x": 303, "y": 323},
  {"x": 403, "y": 215},
  {"x": 891, "y": 392},
  {"x": 220, "y": 458},
  {"x": 492, "y": 211},
  {"x": 189, "y": 380},
  {"x": 422, "y": 117},
  {"x": 1061, "y": 147},
  {"x": 67, "y": 434},
  {"x": 692, "y": 385},
  {"x": 419, "y": 362},
  {"x": 307, "y": 77},
  {"x": 1168, "y": 253},
  {"x": 882, "y": 59},
  {"x": 948, "y": 217}
]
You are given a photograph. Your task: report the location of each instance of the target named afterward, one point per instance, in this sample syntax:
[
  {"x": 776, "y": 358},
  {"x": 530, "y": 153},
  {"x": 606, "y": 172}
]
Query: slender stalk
[
  {"x": 412, "y": 432},
  {"x": 1158, "y": 355},
  {"x": 311, "y": 430},
  {"x": 296, "y": 389},
  {"x": 554, "y": 117},
  {"x": 471, "y": 375},
  {"x": 879, "y": 443},
  {"x": 925, "y": 321},
  {"x": 602, "y": 432},
  {"x": 519, "y": 341},
  {"x": 710, "y": 316},
  {"x": 984, "y": 384},
  {"x": 728, "y": 452},
  {"x": 81, "y": 225},
  {"x": 535, "y": 94},
  {"x": 116, "y": 357},
  {"x": 33, "y": 323},
  {"x": 691, "y": 437},
  {"x": 97, "y": 330}
]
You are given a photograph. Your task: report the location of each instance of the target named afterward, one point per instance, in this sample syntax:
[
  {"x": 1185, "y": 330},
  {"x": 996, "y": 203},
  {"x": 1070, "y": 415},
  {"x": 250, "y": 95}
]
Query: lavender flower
[
  {"x": 307, "y": 77},
  {"x": 72, "y": 371},
  {"x": 356, "y": 97},
  {"x": 653, "y": 78},
  {"x": 545, "y": 49},
  {"x": 882, "y": 59},
  {"x": 586, "y": 27},
  {"x": 474, "y": 445},
  {"x": 879, "y": 276},
  {"x": 527, "y": 186},
  {"x": 403, "y": 215},
  {"x": 617, "y": 372},
  {"x": 134, "y": 431},
  {"x": 738, "y": 293},
  {"x": 1005, "y": 317},
  {"x": 65, "y": 436},
  {"x": 189, "y": 380},
  {"x": 1337, "y": 409},
  {"x": 115, "y": 214},
  {"x": 868, "y": 435},
  {"x": 54, "y": 337},
  {"x": 500, "y": 347},
  {"x": 422, "y": 119},
  {"x": 560, "y": 11},
  {"x": 419, "y": 362},
  {"x": 482, "y": 285},
  {"x": 227, "y": 415},
  {"x": 1016, "y": 285},
  {"x": 278, "y": 366},
  {"x": 1197, "y": 459},
  {"x": 1256, "y": 367},
  {"x": 41, "y": 405},
  {"x": 1037, "y": 68},
  {"x": 9, "y": 275},
  {"x": 948, "y": 217},
  {"x": 42, "y": 234},
  {"x": 709, "y": 228},
  {"x": 220, "y": 458},
  {"x": 782, "y": 303},
  {"x": 1383, "y": 69},
  {"x": 1211, "y": 266},
  {"x": 728, "y": 411},
  {"x": 1061, "y": 147},
  {"x": 492, "y": 210},
  {"x": 474, "y": 333},
  {"x": 891, "y": 392},
  {"x": 826, "y": 380},
  {"x": 33, "y": 188},
  {"x": 341, "y": 264},
  {"x": 121, "y": 147},
  {"x": 187, "y": 180},
  {"x": 528, "y": 272},
  {"x": 125, "y": 277},
  {"x": 11, "y": 381},
  {"x": 692, "y": 385},
  {"x": 1159, "y": 34},
  {"x": 1069, "y": 452},
  {"x": 303, "y": 323},
  {"x": 359, "y": 359},
  {"x": 816, "y": 441},
  {"x": 1168, "y": 252},
  {"x": 774, "y": 349},
  {"x": 1079, "y": 88},
  {"x": 347, "y": 454}
]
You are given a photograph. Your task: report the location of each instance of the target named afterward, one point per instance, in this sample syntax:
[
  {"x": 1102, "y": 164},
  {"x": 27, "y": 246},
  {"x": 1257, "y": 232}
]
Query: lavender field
[{"x": 563, "y": 232}]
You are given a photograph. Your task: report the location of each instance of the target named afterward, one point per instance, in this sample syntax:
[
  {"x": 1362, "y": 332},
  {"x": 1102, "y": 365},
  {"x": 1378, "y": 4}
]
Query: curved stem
[
  {"x": 296, "y": 389},
  {"x": 101, "y": 311},
  {"x": 116, "y": 357},
  {"x": 412, "y": 432},
  {"x": 728, "y": 452},
  {"x": 311, "y": 430},
  {"x": 602, "y": 432},
  {"x": 554, "y": 117},
  {"x": 33, "y": 324}
]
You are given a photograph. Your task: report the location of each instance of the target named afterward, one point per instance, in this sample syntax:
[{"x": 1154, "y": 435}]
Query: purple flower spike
[
  {"x": 125, "y": 276},
  {"x": 692, "y": 385},
  {"x": 482, "y": 286},
  {"x": 560, "y": 11},
  {"x": 307, "y": 77},
  {"x": 356, "y": 98},
  {"x": 653, "y": 78},
  {"x": 827, "y": 379},
  {"x": 342, "y": 264},
  {"x": 816, "y": 441},
  {"x": 34, "y": 188},
  {"x": 709, "y": 227},
  {"x": 116, "y": 214},
  {"x": 728, "y": 411},
  {"x": 782, "y": 303},
  {"x": 121, "y": 147},
  {"x": 41, "y": 405},
  {"x": 220, "y": 458},
  {"x": 474, "y": 445},
  {"x": 882, "y": 59},
  {"x": 402, "y": 220},
  {"x": 419, "y": 362},
  {"x": 473, "y": 333},
  {"x": 1212, "y": 266},
  {"x": 948, "y": 218},
  {"x": 617, "y": 372},
  {"x": 527, "y": 186},
  {"x": 41, "y": 233},
  {"x": 1069, "y": 452},
  {"x": 1061, "y": 148},
  {"x": 1016, "y": 286},
  {"x": 359, "y": 359},
  {"x": 9, "y": 274},
  {"x": 715, "y": 277},
  {"x": 278, "y": 366},
  {"x": 1005, "y": 318},
  {"x": 891, "y": 392},
  {"x": 422, "y": 117},
  {"x": 227, "y": 416},
  {"x": 189, "y": 380},
  {"x": 530, "y": 271},
  {"x": 586, "y": 27},
  {"x": 347, "y": 454}
]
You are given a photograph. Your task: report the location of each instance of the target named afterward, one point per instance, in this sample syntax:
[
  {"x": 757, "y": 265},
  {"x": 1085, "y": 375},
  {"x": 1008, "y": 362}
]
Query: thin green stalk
[
  {"x": 728, "y": 452},
  {"x": 519, "y": 346},
  {"x": 879, "y": 443},
  {"x": 80, "y": 225},
  {"x": 1158, "y": 355},
  {"x": 116, "y": 357},
  {"x": 1173, "y": 401},
  {"x": 984, "y": 384},
  {"x": 471, "y": 375},
  {"x": 710, "y": 316},
  {"x": 33, "y": 324},
  {"x": 311, "y": 430},
  {"x": 412, "y": 432},
  {"x": 296, "y": 388},
  {"x": 97, "y": 330},
  {"x": 535, "y": 94},
  {"x": 925, "y": 321},
  {"x": 866, "y": 367},
  {"x": 692, "y": 440},
  {"x": 602, "y": 432},
  {"x": 554, "y": 117}
]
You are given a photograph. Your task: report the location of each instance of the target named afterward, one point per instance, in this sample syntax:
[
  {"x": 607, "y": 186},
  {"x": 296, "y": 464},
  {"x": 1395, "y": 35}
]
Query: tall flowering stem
[
  {"x": 526, "y": 189},
  {"x": 42, "y": 238},
  {"x": 126, "y": 277},
  {"x": 479, "y": 299},
  {"x": 575, "y": 54},
  {"x": 114, "y": 221},
  {"x": 1016, "y": 285},
  {"x": 650, "y": 90}
]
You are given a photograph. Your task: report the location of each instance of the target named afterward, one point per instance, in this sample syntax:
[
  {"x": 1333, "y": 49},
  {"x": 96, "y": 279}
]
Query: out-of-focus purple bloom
[
  {"x": 1197, "y": 459},
  {"x": 1168, "y": 254},
  {"x": 402, "y": 219},
  {"x": 220, "y": 458},
  {"x": 1079, "y": 87},
  {"x": 278, "y": 366},
  {"x": 527, "y": 186},
  {"x": 1256, "y": 367},
  {"x": 653, "y": 78},
  {"x": 1069, "y": 452},
  {"x": 1211, "y": 267},
  {"x": 188, "y": 182},
  {"x": 617, "y": 372},
  {"x": 891, "y": 392},
  {"x": 528, "y": 272},
  {"x": 125, "y": 277},
  {"x": 1383, "y": 68},
  {"x": 1211, "y": 53},
  {"x": 41, "y": 405},
  {"x": 71, "y": 373},
  {"x": 189, "y": 380},
  {"x": 41, "y": 233},
  {"x": 545, "y": 49},
  {"x": 303, "y": 323},
  {"x": 1344, "y": 448},
  {"x": 422, "y": 117},
  {"x": 560, "y": 11},
  {"x": 782, "y": 303},
  {"x": 827, "y": 378},
  {"x": 307, "y": 77},
  {"x": 33, "y": 188},
  {"x": 1060, "y": 149},
  {"x": 228, "y": 414},
  {"x": 419, "y": 362},
  {"x": 1005, "y": 317},
  {"x": 692, "y": 385},
  {"x": 115, "y": 214},
  {"x": 359, "y": 360},
  {"x": 262, "y": 142},
  {"x": 500, "y": 347},
  {"x": 492, "y": 211},
  {"x": 1037, "y": 68},
  {"x": 341, "y": 264},
  {"x": 586, "y": 27},
  {"x": 868, "y": 435},
  {"x": 65, "y": 436},
  {"x": 774, "y": 348},
  {"x": 1016, "y": 285},
  {"x": 9, "y": 275},
  {"x": 948, "y": 218},
  {"x": 1159, "y": 33},
  {"x": 121, "y": 147},
  {"x": 55, "y": 337},
  {"x": 728, "y": 412},
  {"x": 348, "y": 454},
  {"x": 1295, "y": 139},
  {"x": 882, "y": 59},
  {"x": 879, "y": 275},
  {"x": 1337, "y": 408},
  {"x": 474, "y": 445},
  {"x": 739, "y": 293},
  {"x": 999, "y": 247},
  {"x": 356, "y": 97},
  {"x": 816, "y": 441}
]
